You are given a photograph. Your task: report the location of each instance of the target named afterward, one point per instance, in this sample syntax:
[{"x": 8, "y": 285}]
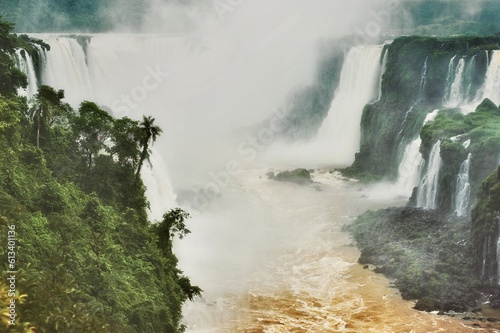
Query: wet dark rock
[
  {"x": 495, "y": 304},
  {"x": 426, "y": 304},
  {"x": 297, "y": 176},
  {"x": 386, "y": 270},
  {"x": 424, "y": 252}
]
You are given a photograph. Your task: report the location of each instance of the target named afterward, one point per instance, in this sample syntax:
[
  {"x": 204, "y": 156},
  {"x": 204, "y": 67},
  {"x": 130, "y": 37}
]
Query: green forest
[{"x": 86, "y": 257}]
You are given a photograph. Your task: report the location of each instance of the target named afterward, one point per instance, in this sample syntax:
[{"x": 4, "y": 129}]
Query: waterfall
[
  {"x": 101, "y": 70},
  {"x": 25, "y": 64},
  {"x": 423, "y": 77},
  {"x": 456, "y": 95},
  {"x": 430, "y": 116},
  {"x": 405, "y": 120},
  {"x": 486, "y": 246},
  {"x": 382, "y": 71},
  {"x": 463, "y": 188},
  {"x": 66, "y": 68},
  {"x": 410, "y": 167},
  {"x": 428, "y": 187},
  {"x": 159, "y": 190},
  {"x": 423, "y": 81},
  {"x": 491, "y": 87},
  {"x": 497, "y": 220},
  {"x": 449, "y": 78},
  {"x": 468, "y": 77},
  {"x": 357, "y": 87}
]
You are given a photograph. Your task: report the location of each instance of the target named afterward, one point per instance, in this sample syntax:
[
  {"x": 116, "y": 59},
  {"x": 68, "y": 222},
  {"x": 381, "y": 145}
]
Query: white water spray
[
  {"x": 449, "y": 78},
  {"x": 25, "y": 65},
  {"x": 66, "y": 68},
  {"x": 338, "y": 138},
  {"x": 491, "y": 87},
  {"x": 356, "y": 88},
  {"x": 423, "y": 77},
  {"x": 428, "y": 188},
  {"x": 410, "y": 167},
  {"x": 159, "y": 190},
  {"x": 462, "y": 193},
  {"x": 382, "y": 71},
  {"x": 456, "y": 95},
  {"x": 423, "y": 82}
]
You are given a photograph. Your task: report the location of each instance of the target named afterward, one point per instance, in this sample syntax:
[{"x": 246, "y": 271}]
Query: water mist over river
[{"x": 270, "y": 256}]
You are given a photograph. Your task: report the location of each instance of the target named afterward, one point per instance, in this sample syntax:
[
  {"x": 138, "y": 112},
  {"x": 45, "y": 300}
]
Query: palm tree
[
  {"x": 48, "y": 106},
  {"x": 148, "y": 133}
]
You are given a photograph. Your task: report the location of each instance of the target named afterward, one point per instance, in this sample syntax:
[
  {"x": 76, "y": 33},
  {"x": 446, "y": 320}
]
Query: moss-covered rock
[
  {"x": 427, "y": 254},
  {"x": 453, "y": 154},
  {"x": 485, "y": 219},
  {"x": 298, "y": 176},
  {"x": 415, "y": 83}
]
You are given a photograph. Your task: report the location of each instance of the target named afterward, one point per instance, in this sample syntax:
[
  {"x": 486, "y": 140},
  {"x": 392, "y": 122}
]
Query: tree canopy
[{"x": 88, "y": 259}]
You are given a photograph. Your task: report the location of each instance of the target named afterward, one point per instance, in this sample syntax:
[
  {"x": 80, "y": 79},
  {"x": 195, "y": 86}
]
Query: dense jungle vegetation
[{"x": 86, "y": 256}]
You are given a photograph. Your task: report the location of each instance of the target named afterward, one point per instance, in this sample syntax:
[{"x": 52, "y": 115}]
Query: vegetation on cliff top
[
  {"x": 482, "y": 128},
  {"x": 414, "y": 84},
  {"x": 87, "y": 258}
]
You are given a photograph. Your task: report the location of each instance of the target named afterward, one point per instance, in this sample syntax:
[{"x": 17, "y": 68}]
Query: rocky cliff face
[
  {"x": 429, "y": 89},
  {"x": 485, "y": 229}
]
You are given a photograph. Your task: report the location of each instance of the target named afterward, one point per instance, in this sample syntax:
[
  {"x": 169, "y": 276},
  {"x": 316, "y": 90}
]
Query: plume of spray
[{"x": 231, "y": 73}]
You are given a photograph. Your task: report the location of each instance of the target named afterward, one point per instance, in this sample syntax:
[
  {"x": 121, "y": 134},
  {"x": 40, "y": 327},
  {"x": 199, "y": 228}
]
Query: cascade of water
[
  {"x": 497, "y": 220},
  {"x": 485, "y": 251},
  {"x": 468, "y": 78},
  {"x": 430, "y": 116},
  {"x": 382, "y": 71},
  {"x": 159, "y": 190},
  {"x": 491, "y": 87},
  {"x": 428, "y": 187},
  {"x": 357, "y": 87},
  {"x": 66, "y": 68},
  {"x": 405, "y": 120},
  {"x": 25, "y": 64},
  {"x": 410, "y": 167},
  {"x": 462, "y": 193},
  {"x": 423, "y": 78},
  {"x": 103, "y": 71},
  {"x": 456, "y": 95},
  {"x": 449, "y": 78}
]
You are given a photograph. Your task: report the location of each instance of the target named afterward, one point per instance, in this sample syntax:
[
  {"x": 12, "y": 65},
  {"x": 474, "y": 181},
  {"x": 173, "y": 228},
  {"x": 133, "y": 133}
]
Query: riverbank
[
  {"x": 280, "y": 262},
  {"x": 428, "y": 256}
]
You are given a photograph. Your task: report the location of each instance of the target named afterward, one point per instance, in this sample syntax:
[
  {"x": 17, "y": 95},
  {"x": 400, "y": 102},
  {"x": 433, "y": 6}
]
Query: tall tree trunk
[
  {"x": 141, "y": 161},
  {"x": 38, "y": 132}
]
